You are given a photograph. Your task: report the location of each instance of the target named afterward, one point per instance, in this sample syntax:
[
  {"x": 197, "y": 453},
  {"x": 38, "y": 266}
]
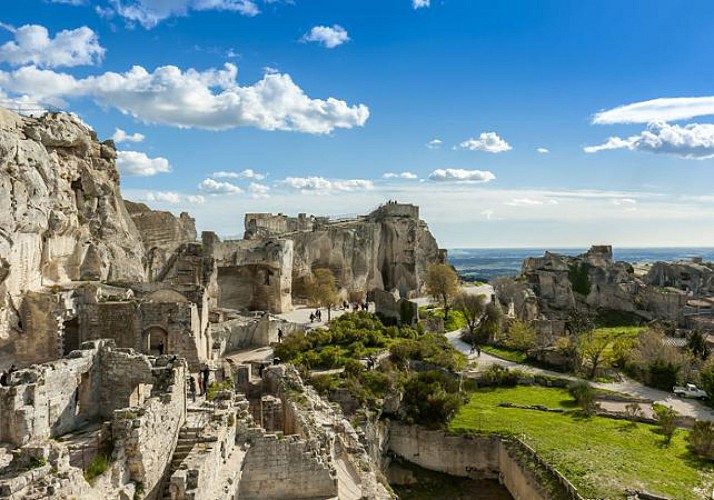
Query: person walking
[
  {"x": 192, "y": 388},
  {"x": 205, "y": 373},
  {"x": 280, "y": 336}
]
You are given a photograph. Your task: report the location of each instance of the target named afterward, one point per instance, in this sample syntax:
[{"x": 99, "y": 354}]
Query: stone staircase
[{"x": 189, "y": 436}]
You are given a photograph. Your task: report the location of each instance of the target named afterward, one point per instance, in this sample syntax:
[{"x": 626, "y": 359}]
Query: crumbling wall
[
  {"x": 51, "y": 399},
  {"x": 162, "y": 233},
  {"x": 145, "y": 437},
  {"x": 284, "y": 469}
]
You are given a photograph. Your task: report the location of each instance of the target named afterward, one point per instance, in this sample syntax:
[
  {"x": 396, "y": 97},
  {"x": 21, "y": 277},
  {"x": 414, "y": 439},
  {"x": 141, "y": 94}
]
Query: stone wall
[
  {"x": 145, "y": 436},
  {"x": 475, "y": 457},
  {"x": 284, "y": 469}
]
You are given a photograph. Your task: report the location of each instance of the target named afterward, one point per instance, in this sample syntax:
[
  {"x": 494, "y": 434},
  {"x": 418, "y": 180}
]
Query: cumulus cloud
[
  {"x": 664, "y": 109},
  {"x": 196, "y": 199},
  {"x": 400, "y": 175},
  {"x": 138, "y": 164},
  {"x": 163, "y": 196},
  {"x": 693, "y": 142},
  {"x": 489, "y": 142},
  {"x": 434, "y": 144},
  {"x": 543, "y": 151},
  {"x": 210, "y": 99},
  {"x": 258, "y": 190},
  {"x": 461, "y": 175},
  {"x": 33, "y": 45},
  {"x": 330, "y": 37},
  {"x": 248, "y": 173},
  {"x": 120, "y": 136},
  {"x": 418, "y": 4},
  {"x": 320, "y": 184},
  {"x": 211, "y": 186},
  {"x": 149, "y": 13}
]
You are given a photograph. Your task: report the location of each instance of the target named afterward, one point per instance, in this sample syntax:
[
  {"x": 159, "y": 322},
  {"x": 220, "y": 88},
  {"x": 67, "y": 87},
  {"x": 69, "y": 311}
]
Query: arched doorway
[{"x": 155, "y": 341}]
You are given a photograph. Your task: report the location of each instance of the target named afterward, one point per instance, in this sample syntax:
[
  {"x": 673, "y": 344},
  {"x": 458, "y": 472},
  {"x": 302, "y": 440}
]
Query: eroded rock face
[
  {"x": 563, "y": 283},
  {"x": 162, "y": 234},
  {"x": 62, "y": 217},
  {"x": 388, "y": 249}
]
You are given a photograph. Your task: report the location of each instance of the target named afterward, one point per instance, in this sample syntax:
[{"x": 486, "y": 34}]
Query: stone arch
[
  {"x": 167, "y": 295},
  {"x": 153, "y": 338}
]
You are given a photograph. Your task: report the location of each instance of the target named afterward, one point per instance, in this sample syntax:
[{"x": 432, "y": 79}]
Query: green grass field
[
  {"x": 505, "y": 353},
  {"x": 600, "y": 456}
]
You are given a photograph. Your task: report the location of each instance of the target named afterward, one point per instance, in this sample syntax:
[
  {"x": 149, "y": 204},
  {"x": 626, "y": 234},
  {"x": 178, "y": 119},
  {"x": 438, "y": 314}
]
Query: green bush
[
  {"x": 215, "y": 387},
  {"x": 431, "y": 398},
  {"x": 584, "y": 396},
  {"x": 96, "y": 467},
  {"x": 499, "y": 376},
  {"x": 663, "y": 374},
  {"x": 665, "y": 419},
  {"x": 701, "y": 439}
]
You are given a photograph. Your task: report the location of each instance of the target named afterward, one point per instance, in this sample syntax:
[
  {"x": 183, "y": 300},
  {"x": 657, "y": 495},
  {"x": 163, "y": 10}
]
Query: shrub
[
  {"x": 324, "y": 384},
  {"x": 499, "y": 376},
  {"x": 354, "y": 367},
  {"x": 521, "y": 335},
  {"x": 584, "y": 396},
  {"x": 665, "y": 419},
  {"x": 579, "y": 276},
  {"x": 431, "y": 398},
  {"x": 215, "y": 387},
  {"x": 663, "y": 374},
  {"x": 701, "y": 439},
  {"x": 97, "y": 467}
]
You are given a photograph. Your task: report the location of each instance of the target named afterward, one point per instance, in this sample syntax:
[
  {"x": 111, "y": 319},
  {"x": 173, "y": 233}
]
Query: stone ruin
[{"x": 107, "y": 307}]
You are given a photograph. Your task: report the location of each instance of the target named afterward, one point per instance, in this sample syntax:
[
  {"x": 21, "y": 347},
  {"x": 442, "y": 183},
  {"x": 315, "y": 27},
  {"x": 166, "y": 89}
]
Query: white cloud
[
  {"x": 461, "y": 175},
  {"x": 434, "y": 144},
  {"x": 418, "y": 4},
  {"x": 401, "y": 175},
  {"x": 543, "y": 151},
  {"x": 330, "y": 37},
  {"x": 248, "y": 173},
  {"x": 320, "y": 184},
  {"x": 70, "y": 2},
  {"x": 120, "y": 136},
  {"x": 489, "y": 142},
  {"x": 210, "y": 99},
  {"x": 196, "y": 199},
  {"x": 33, "y": 45},
  {"x": 163, "y": 196},
  {"x": 259, "y": 190},
  {"x": 627, "y": 204},
  {"x": 210, "y": 186},
  {"x": 664, "y": 109},
  {"x": 523, "y": 202},
  {"x": 693, "y": 142},
  {"x": 149, "y": 13},
  {"x": 136, "y": 163}
]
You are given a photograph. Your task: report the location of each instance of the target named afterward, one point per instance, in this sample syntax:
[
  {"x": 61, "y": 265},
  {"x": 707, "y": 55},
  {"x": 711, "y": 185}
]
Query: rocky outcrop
[
  {"x": 162, "y": 234},
  {"x": 388, "y": 249},
  {"x": 62, "y": 217},
  {"x": 689, "y": 276},
  {"x": 592, "y": 279}
]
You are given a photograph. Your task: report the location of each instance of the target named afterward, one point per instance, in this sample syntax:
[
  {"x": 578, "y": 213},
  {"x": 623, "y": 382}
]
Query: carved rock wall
[{"x": 62, "y": 217}]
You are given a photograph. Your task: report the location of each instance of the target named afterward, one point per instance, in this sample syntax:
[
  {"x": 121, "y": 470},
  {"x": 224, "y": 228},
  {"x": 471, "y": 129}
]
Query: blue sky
[{"x": 511, "y": 123}]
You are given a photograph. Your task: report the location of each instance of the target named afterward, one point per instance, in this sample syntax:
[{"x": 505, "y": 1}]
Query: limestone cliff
[
  {"x": 388, "y": 249},
  {"x": 62, "y": 217},
  {"x": 162, "y": 234}
]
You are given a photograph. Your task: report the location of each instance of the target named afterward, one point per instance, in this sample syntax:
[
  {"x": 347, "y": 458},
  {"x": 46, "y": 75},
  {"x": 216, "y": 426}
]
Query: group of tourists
[
  {"x": 5, "y": 376},
  {"x": 316, "y": 316},
  {"x": 203, "y": 375}
]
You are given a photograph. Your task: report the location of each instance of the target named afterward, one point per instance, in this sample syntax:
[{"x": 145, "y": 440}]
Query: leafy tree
[
  {"x": 521, "y": 335},
  {"x": 666, "y": 421},
  {"x": 322, "y": 289},
  {"x": 472, "y": 307},
  {"x": 706, "y": 378},
  {"x": 697, "y": 344},
  {"x": 442, "y": 283},
  {"x": 591, "y": 350},
  {"x": 492, "y": 322}
]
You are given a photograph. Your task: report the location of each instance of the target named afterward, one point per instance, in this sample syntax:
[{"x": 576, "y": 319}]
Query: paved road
[{"x": 686, "y": 407}]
